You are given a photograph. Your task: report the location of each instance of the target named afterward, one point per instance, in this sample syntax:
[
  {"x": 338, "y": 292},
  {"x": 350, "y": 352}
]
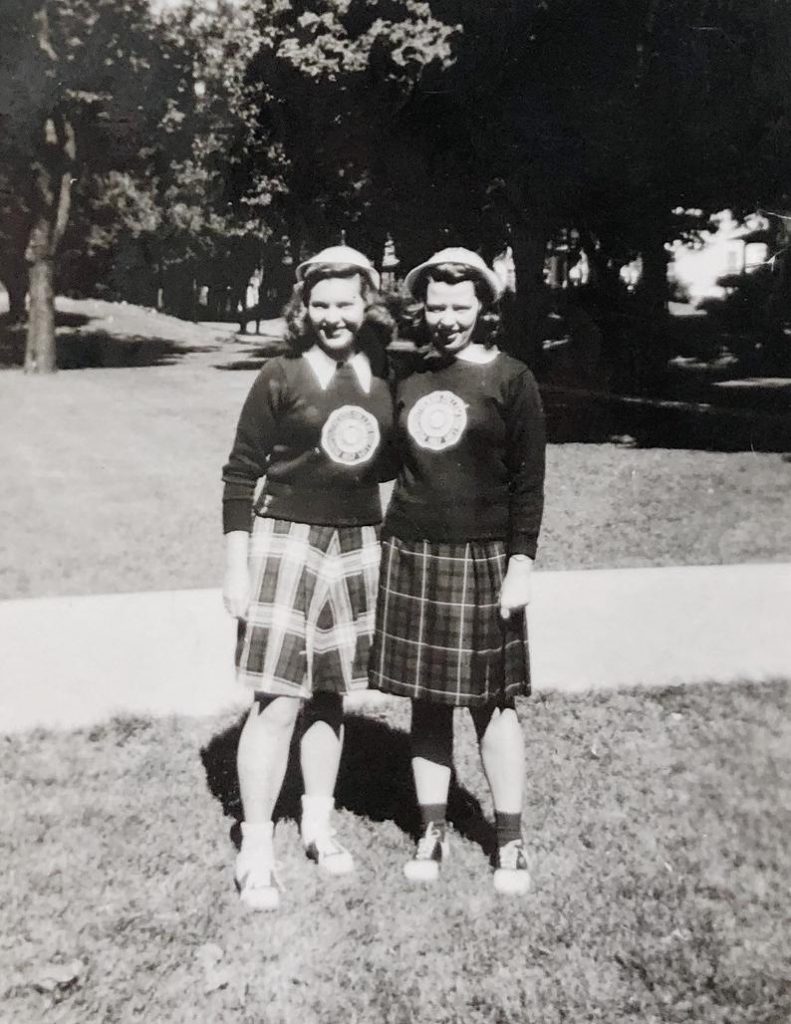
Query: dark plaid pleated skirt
[
  {"x": 310, "y": 622},
  {"x": 439, "y": 635}
]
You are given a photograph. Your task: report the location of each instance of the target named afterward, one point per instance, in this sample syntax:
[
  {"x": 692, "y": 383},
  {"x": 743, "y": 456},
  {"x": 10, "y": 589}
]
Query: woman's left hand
[{"x": 517, "y": 587}]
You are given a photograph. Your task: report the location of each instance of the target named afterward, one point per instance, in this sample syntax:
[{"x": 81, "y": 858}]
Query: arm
[
  {"x": 526, "y": 440},
  {"x": 246, "y": 465},
  {"x": 236, "y": 582},
  {"x": 390, "y": 456},
  {"x": 255, "y": 436}
]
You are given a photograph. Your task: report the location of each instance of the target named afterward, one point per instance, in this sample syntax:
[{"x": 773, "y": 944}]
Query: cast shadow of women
[{"x": 374, "y": 781}]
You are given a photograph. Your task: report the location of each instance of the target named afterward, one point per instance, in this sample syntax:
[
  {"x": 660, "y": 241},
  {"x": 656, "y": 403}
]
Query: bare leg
[
  {"x": 261, "y": 759},
  {"x": 262, "y": 756},
  {"x": 322, "y": 744},
  {"x": 502, "y": 750},
  {"x": 503, "y": 755},
  {"x": 432, "y": 751},
  {"x": 432, "y": 756},
  {"x": 320, "y": 756}
]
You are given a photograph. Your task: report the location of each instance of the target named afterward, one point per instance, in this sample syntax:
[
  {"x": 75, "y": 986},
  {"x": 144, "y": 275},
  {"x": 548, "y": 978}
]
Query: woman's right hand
[
  {"x": 236, "y": 593},
  {"x": 236, "y": 584}
]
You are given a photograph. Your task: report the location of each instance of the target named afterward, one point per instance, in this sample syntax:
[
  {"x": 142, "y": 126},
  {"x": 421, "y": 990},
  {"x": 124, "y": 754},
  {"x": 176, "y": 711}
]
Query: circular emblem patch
[
  {"x": 438, "y": 420},
  {"x": 350, "y": 435}
]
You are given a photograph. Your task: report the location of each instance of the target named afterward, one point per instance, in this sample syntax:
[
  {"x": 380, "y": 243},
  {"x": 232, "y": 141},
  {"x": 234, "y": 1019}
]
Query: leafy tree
[
  {"x": 186, "y": 145},
  {"x": 322, "y": 89},
  {"x": 552, "y": 113},
  {"x": 160, "y": 230},
  {"x": 82, "y": 82}
]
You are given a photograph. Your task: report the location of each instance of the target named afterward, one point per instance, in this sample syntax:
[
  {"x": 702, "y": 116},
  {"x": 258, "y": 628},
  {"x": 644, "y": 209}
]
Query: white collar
[
  {"x": 324, "y": 367},
  {"x": 477, "y": 353}
]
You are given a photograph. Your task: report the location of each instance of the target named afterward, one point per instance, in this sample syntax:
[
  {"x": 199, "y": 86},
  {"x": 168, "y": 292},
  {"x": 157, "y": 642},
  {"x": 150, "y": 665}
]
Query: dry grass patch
[{"x": 658, "y": 825}]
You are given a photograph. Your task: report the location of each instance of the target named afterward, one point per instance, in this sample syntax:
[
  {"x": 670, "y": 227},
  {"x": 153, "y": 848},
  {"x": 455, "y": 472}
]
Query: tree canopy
[{"x": 147, "y": 150}]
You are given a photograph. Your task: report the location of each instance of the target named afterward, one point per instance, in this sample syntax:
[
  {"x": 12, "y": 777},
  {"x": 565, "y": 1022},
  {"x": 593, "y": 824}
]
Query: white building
[{"x": 730, "y": 248}]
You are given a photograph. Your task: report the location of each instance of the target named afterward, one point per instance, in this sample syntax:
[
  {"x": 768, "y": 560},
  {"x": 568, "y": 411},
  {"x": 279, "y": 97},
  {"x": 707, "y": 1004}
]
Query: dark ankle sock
[
  {"x": 435, "y": 813},
  {"x": 508, "y": 827}
]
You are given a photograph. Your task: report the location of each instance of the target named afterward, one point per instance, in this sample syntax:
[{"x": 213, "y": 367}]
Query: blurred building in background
[{"x": 697, "y": 268}]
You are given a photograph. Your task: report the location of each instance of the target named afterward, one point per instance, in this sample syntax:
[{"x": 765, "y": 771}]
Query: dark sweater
[
  {"x": 322, "y": 452},
  {"x": 471, "y": 438}
]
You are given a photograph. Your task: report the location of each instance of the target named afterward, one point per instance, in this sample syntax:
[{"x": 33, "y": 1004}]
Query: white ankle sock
[
  {"x": 316, "y": 812},
  {"x": 257, "y": 836}
]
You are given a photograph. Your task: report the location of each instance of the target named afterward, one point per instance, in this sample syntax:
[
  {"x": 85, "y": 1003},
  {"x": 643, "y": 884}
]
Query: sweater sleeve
[
  {"x": 253, "y": 442},
  {"x": 526, "y": 440},
  {"x": 389, "y": 458}
]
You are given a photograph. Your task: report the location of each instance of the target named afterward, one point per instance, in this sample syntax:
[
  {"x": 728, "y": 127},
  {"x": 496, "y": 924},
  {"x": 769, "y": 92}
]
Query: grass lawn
[
  {"x": 658, "y": 825},
  {"x": 658, "y": 821},
  {"x": 113, "y": 476}
]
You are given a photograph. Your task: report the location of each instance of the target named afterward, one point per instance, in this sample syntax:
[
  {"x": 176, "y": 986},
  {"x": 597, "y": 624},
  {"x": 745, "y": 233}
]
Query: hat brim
[
  {"x": 489, "y": 278},
  {"x": 369, "y": 273}
]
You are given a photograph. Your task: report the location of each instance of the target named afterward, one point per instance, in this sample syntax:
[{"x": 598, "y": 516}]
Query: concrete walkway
[{"x": 73, "y": 661}]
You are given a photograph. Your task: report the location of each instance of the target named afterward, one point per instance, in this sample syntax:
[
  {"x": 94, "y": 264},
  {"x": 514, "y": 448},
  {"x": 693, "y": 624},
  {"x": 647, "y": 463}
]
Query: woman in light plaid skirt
[
  {"x": 458, "y": 545},
  {"x": 302, "y": 560}
]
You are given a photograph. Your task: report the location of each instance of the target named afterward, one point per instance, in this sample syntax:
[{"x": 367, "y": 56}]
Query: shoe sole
[
  {"x": 332, "y": 869},
  {"x": 422, "y": 871},
  {"x": 426, "y": 870},
  {"x": 336, "y": 865},
  {"x": 511, "y": 883}
]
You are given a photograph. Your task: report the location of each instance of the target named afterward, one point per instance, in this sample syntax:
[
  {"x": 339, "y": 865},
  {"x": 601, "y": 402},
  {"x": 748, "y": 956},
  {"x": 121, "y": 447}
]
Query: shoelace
[
  {"x": 253, "y": 877},
  {"x": 427, "y": 842},
  {"x": 327, "y": 845},
  {"x": 511, "y": 854}
]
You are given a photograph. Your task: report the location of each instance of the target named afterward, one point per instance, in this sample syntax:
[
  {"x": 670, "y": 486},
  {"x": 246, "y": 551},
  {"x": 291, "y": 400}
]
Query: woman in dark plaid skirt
[
  {"x": 302, "y": 561},
  {"x": 458, "y": 545}
]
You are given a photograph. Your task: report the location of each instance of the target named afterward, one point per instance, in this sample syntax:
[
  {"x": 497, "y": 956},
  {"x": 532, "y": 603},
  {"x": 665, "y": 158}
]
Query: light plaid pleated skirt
[
  {"x": 439, "y": 635},
  {"x": 310, "y": 622}
]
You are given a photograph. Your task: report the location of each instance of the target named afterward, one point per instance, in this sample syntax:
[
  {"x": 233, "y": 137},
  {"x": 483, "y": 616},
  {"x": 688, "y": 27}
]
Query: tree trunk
[
  {"x": 654, "y": 288},
  {"x": 40, "y": 354},
  {"x": 52, "y": 176},
  {"x": 652, "y": 347},
  {"x": 778, "y": 308},
  {"x": 529, "y": 238}
]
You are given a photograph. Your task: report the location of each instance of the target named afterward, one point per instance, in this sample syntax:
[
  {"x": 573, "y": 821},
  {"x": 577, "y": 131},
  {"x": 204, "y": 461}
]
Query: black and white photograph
[{"x": 395, "y": 562}]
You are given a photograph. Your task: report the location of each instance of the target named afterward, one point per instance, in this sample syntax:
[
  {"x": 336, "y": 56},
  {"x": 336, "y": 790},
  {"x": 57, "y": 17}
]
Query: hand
[
  {"x": 517, "y": 587},
  {"x": 236, "y": 591}
]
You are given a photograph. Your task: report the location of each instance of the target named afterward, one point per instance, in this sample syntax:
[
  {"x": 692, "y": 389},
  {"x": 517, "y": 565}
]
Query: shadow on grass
[
  {"x": 374, "y": 781},
  {"x": 575, "y": 415},
  {"x": 13, "y": 335},
  {"x": 79, "y": 349},
  {"x": 255, "y": 357},
  {"x": 100, "y": 350}
]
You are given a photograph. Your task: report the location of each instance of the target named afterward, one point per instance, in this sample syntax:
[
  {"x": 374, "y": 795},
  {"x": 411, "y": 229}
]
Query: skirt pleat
[
  {"x": 311, "y": 618},
  {"x": 439, "y": 635}
]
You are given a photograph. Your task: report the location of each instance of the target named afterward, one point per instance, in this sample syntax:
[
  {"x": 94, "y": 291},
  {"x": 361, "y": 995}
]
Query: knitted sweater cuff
[
  {"x": 237, "y": 514},
  {"x": 523, "y": 544}
]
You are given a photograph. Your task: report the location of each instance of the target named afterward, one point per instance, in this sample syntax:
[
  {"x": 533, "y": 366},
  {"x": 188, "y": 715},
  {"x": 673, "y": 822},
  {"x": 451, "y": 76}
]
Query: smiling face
[
  {"x": 451, "y": 312},
  {"x": 336, "y": 310}
]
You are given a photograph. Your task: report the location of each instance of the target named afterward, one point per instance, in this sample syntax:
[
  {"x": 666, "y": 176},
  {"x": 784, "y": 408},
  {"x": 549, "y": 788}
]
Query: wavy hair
[
  {"x": 488, "y": 327},
  {"x": 377, "y": 327}
]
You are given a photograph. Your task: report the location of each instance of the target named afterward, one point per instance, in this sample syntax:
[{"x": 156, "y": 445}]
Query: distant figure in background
[
  {"x": 390, "y": 265},
  {"x": 301, "y": 564},
  {"x": 458, "y": 544},
  {"x": 251, "y": 304}
]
